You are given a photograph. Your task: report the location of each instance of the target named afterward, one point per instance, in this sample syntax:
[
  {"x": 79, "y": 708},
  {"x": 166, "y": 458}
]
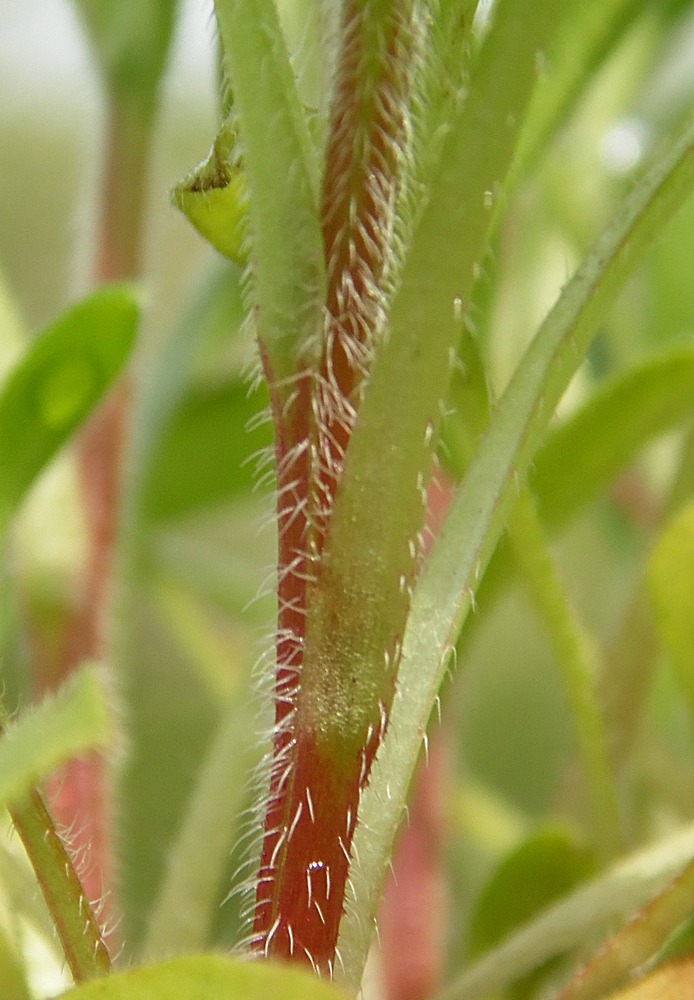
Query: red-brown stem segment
[
  {"x": 413, "y": 912},
  {"x": 80, "y": 795},
  {"x": 412, "y": 921},
  {"x": 315, "y": 786}
]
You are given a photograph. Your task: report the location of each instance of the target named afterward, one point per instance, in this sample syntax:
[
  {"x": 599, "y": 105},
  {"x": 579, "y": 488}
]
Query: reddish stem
[
  {"x": 314, "y": 791},
  {"x": 412, "y": 920},
  {"x": 413, "y": 914},
  {"x": 80, "y": 794}
]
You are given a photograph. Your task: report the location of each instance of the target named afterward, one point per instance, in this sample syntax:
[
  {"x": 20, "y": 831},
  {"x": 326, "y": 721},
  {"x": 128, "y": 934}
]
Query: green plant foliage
[
  {"x": 390, "y": 337},
  {"x": 209, "y": 977},
  {"x": 131, "y": 41},
  {"x": 56, "y": 385},
  {"x": 671, "y": 577},
  {"x": 74, "y": 720},
  {"x": 589, "y": 449},
  {"x": 285, "y": 236},
  {"x": 546, "y": 866},
  {"x": 184, "y": 475},
  {"x": 445, "y": 592},
  {"x": 13, "y": 984}
]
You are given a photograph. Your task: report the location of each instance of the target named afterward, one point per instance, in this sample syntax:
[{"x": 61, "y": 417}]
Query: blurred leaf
[
  {"x": 57, "y": 384},
  {"x": 546, "y": 866},
  {"x": 131, "y": 40},
  {"x": 636, "y": 943},
  {"x": 38, "y": 741},
  {"x": 591, "y": 909},
  {"x": 589, "y": 32},
  {"x": 590, "y": 448},
  {"x": 168, "y": 735},
  {"x": 206, "y": 455},
  {"x": 212, "y": 818},
  {"x": 672, "y": 982},
  {"x": 12, "y": 333},
  {"x": 671, "y": 577},
  {"x": 13, "y": 983},
  {"x": 211, "y": 977}
]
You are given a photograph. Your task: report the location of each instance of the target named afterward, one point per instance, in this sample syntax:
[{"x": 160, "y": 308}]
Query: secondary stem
[
  {"x": 74, "y": 919},
  {"x": 81, "y": 795}
]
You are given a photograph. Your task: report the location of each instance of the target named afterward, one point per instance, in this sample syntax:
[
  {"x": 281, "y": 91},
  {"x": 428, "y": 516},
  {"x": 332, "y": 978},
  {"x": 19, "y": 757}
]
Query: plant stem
[
  {"x": 316, "y": 780},
  {"x": 71, "y": 911},
  {"x": 577, "y": 660},
  {"x": 81, "y": 794}
]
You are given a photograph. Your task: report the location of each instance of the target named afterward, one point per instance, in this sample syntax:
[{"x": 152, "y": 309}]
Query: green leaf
[
  {"x": 546, "y": 866},
  {"x": 131, "y": 40},
  {"x": 209, "y": 977},
  {"x": 206, "y": 455},
  {"x": 57, "y": 384},
  {"x": 590, "y": 448},
  {"x": 671, "y": 578},
  {"x": 592, "y": 909},
  {"x": 35, "y": 744},
  {"x": 588, "y": 34},
  {"x": 13, "y": 983},
  {"x": 212, "y": 818},
  {"x": 483, "y": 503},
  {"x": 286, "y": 238}
]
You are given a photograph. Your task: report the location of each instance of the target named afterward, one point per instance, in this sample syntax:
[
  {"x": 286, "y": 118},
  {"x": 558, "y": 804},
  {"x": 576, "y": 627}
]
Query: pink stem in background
[
  {"x": 412, "y": 921},
  {"x": 80, "y": 795}
]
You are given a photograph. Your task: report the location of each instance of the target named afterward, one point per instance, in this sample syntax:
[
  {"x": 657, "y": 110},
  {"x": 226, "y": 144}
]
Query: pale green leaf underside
[
  {"x": 37, "y": 742},
  {"x": 479, "y": 513},
  {"x": 56, "y": 385},
  {"x": 209, "y": 977}
]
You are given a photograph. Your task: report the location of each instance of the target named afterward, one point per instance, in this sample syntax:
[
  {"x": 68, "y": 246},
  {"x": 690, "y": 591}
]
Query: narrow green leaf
[
  {"x": 671, "y": 578},
  {"x": 33, "y": 745},
  {"x": 209, "y": 977},
  {"x": 484, "y": 500},
  {"x": 542, "y": 869},
  {"x": 588, "y": 34},
  {"x": 590, "y": 448},
  {"x": 57, "y": 384},
  {"x": 286, "y": 239},
  {"x": 634, "y": 944}
]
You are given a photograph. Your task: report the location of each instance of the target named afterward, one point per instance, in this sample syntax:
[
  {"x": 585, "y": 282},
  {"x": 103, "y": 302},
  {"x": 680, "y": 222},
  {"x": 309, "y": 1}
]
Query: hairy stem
[
  {"x": 316, "y": 781},
  {"x": 75, "y": 922}
]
